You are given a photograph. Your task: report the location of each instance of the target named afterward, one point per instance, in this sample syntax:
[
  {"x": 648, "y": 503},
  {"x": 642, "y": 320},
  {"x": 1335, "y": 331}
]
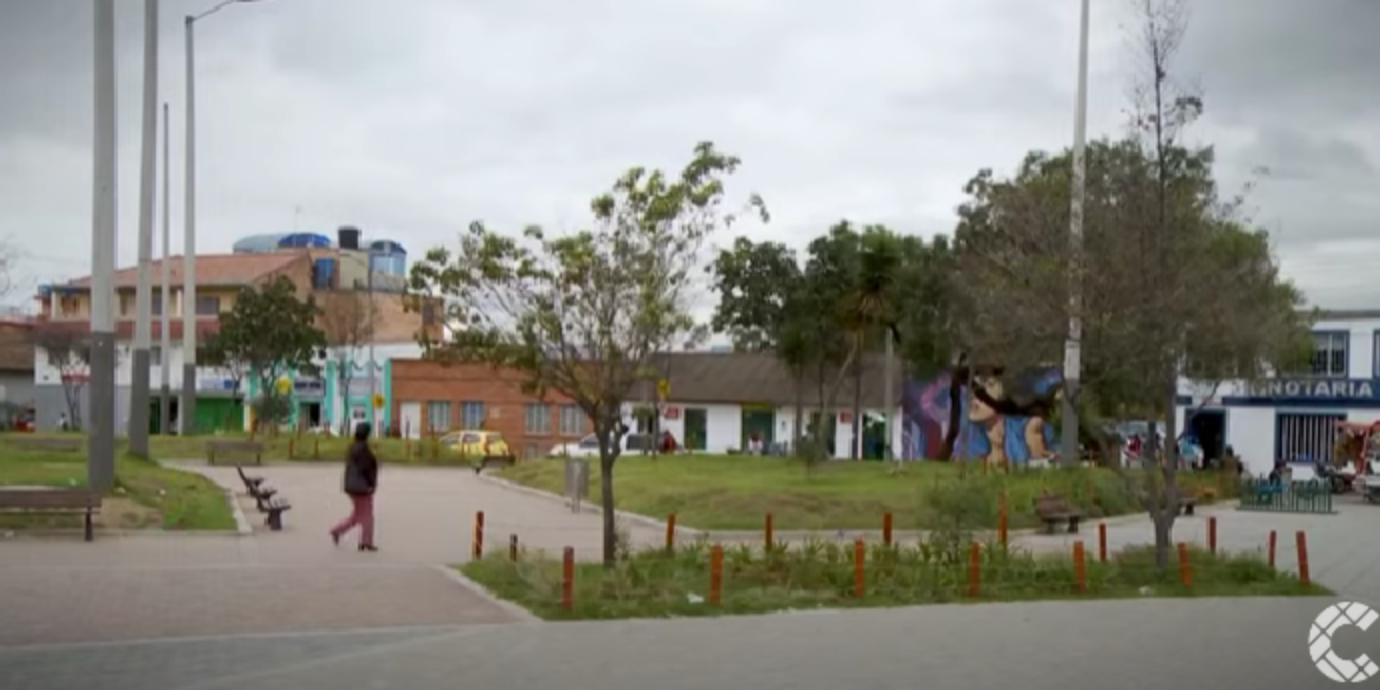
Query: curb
[
  {"x": 522, "y": 614},
  {"x": 637, "y": 518},
  {"x": 242, "y": 527}
]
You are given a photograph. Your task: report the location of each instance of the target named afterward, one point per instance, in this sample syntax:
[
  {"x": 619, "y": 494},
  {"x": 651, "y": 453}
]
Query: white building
[
  {"x": 1293, "y": 417},
  {"x": 719, "y": 401}
]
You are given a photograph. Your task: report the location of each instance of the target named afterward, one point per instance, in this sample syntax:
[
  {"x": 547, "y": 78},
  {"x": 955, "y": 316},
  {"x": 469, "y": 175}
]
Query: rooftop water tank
[
  {"x": 298, "y": 240},
  {"x": 348, "y": 236},
  {"x": 258, "y": 244}
]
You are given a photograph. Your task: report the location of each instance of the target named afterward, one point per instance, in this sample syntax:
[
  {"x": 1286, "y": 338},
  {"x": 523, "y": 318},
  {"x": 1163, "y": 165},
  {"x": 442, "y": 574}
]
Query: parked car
[
  {"x": 588, "y": 447},
  {"x": 481, "y": 445}
]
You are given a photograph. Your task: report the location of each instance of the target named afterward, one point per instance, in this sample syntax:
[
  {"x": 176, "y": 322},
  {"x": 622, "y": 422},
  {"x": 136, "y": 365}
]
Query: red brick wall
[{"x": 421, "y": 381}]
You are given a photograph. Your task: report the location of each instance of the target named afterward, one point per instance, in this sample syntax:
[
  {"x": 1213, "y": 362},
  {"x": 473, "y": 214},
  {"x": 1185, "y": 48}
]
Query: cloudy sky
[{"x": 410, "y": 118}]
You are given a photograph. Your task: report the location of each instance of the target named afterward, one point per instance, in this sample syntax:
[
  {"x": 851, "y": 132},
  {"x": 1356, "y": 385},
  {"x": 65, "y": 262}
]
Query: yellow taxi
[{"x": 480, "y": 447}]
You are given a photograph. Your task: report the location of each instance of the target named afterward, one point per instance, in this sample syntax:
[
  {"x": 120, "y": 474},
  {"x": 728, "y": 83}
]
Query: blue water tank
[
  {"x": 388, "y": 257},
  {"x": 299, "y": 240},
  {"x": 323, "y": 272}
]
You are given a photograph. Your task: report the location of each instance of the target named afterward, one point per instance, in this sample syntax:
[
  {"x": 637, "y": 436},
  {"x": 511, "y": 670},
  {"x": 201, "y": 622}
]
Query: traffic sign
[
  {"x": 663, "y": 389},
  {"x": 378, "y": 401}
]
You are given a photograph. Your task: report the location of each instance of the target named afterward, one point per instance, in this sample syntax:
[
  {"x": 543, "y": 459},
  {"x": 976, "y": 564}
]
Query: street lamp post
[
  {"x": 187, "y": 413},
  {"x": 143, "y": 299},
  {"x": 100, "y": 459},
  {"x": 1073, "y": 345}
]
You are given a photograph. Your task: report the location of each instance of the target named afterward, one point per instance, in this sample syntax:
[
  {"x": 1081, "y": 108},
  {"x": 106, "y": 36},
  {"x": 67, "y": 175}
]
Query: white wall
[{"x": 724, "y": 426}]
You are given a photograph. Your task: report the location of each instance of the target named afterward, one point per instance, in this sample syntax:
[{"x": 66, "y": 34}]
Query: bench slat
[{"x": 40, "y": 499}]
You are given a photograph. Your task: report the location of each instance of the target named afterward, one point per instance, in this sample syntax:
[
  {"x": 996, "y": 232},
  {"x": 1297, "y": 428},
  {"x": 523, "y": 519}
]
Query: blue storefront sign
[{"x": 1307, "y": 392}]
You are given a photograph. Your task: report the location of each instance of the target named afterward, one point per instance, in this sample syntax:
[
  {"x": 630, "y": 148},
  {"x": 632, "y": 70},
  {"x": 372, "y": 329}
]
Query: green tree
[
  {"x": 1172, "y": 271},
  {"x": 269, "y": 332},
  {"x": 586, "y": 314}
]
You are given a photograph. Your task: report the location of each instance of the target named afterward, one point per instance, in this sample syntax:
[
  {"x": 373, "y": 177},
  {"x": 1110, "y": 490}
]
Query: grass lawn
[
  {"x": 653, "y": 584},
  {"x": 145, "y": 494},
  {"x": 734, "y": 492}
]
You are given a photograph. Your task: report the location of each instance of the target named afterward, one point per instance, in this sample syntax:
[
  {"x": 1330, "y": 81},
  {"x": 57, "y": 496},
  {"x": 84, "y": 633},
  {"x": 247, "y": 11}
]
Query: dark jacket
[{"x": 361, "y": 470}]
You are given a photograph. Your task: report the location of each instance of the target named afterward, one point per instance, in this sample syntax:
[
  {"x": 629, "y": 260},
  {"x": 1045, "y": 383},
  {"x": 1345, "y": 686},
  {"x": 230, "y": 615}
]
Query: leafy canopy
[
  {"x": 270, "y": 331},
  {"x": 583, "y": 314}
]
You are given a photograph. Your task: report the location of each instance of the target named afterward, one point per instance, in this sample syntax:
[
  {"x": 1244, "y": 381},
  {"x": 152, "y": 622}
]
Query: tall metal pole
[
  {"x": 143, "y": 297},
  {"x": 187, "y": 408},
  {"x": 100, "y": 459},
  {"x": 165, "y": 363},
  {"x": 1073, "y": 346},
  {"x": 373, "y": 370}
]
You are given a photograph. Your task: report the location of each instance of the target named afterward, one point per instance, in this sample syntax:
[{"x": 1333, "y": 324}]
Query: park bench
[
  {"x": 251, "y": 484},
  {"x": 273, "y": 508},
  {"x": 67, "y": 444},
  {"x": 1187, "y": 504},
  {"x": 1053, "y": 510},
  {"x": 229, "y": 446},
  {"x": 53, "y": 501},
  {"x": 494, "y": 461}
]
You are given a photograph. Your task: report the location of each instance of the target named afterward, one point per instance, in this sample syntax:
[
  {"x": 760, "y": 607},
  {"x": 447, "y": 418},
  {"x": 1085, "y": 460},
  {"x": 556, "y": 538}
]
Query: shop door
[{"x": 696, "y": 428}]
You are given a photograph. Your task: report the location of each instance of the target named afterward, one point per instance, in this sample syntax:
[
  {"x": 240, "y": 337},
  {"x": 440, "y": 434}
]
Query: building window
[
  {"x": 156, "y": 355},
  {"x": 157, "y": 303},
  {"x": 572, "y": 421},
  {"x": 1329, "y": 354},
  {"x": 1306, "y": 438},
  {"x": 126, "y": 304},
  {"x": 438, "y": 416},
  {"x": 536, "y": 419},
  {"x": 207, "y": 305},
  {"x": 471, "y": 414}
]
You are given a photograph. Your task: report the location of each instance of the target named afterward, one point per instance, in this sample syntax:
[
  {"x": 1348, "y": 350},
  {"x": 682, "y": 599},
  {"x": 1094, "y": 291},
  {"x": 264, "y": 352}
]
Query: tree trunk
[
  {"x": 606, "y": 460},
  {"x": 1169, "y": 469},
  {"x": 799, "y": 413},
  {"x": 856, "y": 451}
]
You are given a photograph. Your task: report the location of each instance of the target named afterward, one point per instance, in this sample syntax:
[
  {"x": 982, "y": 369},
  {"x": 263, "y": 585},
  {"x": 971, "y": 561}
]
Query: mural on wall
[{"x": 984, "y": 433}]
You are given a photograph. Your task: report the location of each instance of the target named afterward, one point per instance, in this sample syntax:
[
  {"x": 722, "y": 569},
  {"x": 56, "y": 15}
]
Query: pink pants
[{"x": 362, "y": 514}]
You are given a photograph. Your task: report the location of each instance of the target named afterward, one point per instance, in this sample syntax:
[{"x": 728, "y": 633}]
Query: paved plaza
[{"x": 288, "y": 609}]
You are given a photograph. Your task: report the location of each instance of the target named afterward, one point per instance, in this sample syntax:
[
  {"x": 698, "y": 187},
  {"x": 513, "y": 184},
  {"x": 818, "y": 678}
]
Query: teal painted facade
[{"x": 335, "y": 404}]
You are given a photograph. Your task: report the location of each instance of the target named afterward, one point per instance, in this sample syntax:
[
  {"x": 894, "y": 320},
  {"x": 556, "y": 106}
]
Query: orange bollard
[
  {"x": 1302, "y": 543},
  {"x": 766, "y": 533},
  {"x": 716, "y": 575},
  {"x": 292, "y": 448},
  {"x": 1102, "y": 542},
  {"x": 859, "y": 577},
  {"x": 886, "y": 529},
  {"x": 568, "y": 579},
  {"x": 1185, "y": 570},
  {"x": 477, "y": 543},
  {"x": 1212, "y": 535},
  {"x": 316, "y": 448},
  {"x": 974, "y": 568},
  {"x": 512, "y": 547},
  {"x": 1080, "y": 576},
  {"x": 1273, "y": 539},
  {"x": 670, "y": 532}
]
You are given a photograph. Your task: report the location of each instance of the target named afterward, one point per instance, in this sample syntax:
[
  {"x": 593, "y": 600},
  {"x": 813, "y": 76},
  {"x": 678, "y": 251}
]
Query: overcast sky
[{"x": 409, "y": 118}]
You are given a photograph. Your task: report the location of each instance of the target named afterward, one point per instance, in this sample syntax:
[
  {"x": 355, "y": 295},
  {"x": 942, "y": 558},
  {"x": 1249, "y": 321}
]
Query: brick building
[{"x": 428, "y": 398}]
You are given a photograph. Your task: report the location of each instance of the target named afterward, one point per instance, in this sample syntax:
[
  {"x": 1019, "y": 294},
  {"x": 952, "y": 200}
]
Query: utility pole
[
  {"x": 1073, "y": 346},
  {"x": 143, "y": 297},
  {"x": 187, "y": 409},
  {"x": 100, "y": 459},
  {"x": 165, "y": 363},
  {"x": 373, "y": 367},
  {"x": 887, "y": 395}
]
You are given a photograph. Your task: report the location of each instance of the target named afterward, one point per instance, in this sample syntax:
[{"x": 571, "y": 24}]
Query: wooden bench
[
  {"x": 1187, "y": 504},
  {"x": 1053, "y": 510},
  {"x": 53, "y": 501},
  {"x": 494, "y": 461},
  {"x": 224, "y": 446},
  {"x": 66, "y": 444}
]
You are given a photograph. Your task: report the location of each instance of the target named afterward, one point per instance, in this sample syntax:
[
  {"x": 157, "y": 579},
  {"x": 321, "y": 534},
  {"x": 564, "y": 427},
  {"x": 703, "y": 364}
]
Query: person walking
[{"x": 361, "y": 479}]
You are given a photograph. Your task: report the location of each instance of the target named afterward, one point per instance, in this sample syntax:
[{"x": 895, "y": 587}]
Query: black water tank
[{"x": 348, "y": 237}]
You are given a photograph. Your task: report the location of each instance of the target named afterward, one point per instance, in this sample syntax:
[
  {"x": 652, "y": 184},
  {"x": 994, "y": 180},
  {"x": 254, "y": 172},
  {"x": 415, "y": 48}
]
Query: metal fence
[{"x": 1311, "y": 496}]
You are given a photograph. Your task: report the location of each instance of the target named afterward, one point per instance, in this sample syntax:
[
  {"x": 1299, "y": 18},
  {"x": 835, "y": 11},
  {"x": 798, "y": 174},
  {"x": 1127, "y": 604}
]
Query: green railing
[{"x": 1310, "y": 496}]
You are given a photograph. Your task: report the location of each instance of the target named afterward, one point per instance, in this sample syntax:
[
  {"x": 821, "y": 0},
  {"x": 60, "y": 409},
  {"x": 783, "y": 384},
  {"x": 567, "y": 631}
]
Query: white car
[{"x": 588, "y": 446}]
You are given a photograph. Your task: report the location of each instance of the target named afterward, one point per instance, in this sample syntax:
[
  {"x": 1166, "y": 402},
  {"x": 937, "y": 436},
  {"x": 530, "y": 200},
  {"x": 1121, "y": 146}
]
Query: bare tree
[
  {"x": 347, "y": 320},
  {"x": 69, "y": 352}
]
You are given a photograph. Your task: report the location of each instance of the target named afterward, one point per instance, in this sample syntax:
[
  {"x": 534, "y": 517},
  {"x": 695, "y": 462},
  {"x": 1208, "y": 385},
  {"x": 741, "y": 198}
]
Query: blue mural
[{"x": 983, "y": 433}]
